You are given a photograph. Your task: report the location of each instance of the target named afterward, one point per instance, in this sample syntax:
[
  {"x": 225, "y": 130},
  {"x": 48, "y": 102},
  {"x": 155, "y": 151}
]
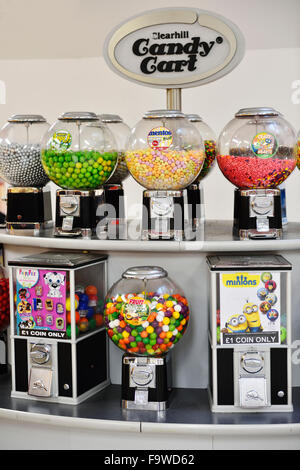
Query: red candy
[
  {"x": 4, "y": 304},
  {"x": 254, "y": 172}
]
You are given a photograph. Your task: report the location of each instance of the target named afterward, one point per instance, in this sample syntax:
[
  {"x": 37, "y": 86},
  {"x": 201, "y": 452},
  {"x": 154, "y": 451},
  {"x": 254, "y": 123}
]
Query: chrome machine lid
[
  {"x": 163, "y": 113},
  {"x": 247, "y": 263},
  {"x": 22, "y": 118},
  {"x": 194, "y": 117},
  {"x": 263, "y": 112},
  {"x": 110, "y": 118},
  {"x": 78, "y": 116},
  {"x": 144, "y": 272}
]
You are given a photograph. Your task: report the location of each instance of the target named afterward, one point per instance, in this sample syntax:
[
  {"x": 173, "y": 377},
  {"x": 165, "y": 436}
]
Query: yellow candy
[
  {"x": 169, "y": 303},
  {"x": 166, "y": 320},
  {"x": 149, "y": 329},
  {"x": 176, "y": 315},
  {"x": 125, "y": 334},
  {"x": 169, "y": 334},
  {"x": 110, "y": 304},
  {"x": 159, "y": 306},
  {"x": 183, "y": 322}
]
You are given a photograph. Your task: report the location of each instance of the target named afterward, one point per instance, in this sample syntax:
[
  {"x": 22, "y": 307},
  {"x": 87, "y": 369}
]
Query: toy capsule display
[
  {"x": 256, "y": 149},
  {"x": 145, "y": 312},
  {"x": 165, "y": 151},
  {"x": 209, "y": 139}
]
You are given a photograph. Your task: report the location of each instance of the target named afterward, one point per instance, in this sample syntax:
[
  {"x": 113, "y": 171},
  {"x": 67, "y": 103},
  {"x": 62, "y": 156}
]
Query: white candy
[
  {"x": 165, "y": 328},
  {"x": 175, "y": 332},
  {"x": 177, "y": 308},
  {"x": 153, "y": 305},
  {"x": 124, "y": 298},
  {"x": 159, "y": 317},
  {"x": 145, "y": 324},
  {"x": 111, "y": 324},
  {"x": 116, "y": 323}
]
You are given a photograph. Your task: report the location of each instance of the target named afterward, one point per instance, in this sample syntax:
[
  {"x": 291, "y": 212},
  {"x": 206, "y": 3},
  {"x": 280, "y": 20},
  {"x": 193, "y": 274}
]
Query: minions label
[{"x": 246, "y": 316}]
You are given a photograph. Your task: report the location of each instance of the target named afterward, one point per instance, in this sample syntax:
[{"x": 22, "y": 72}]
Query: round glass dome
[
  {"x": 121, "y": 132},
  {"x": 145, "y": 312},
  {"x": 165, "y": 151},
  {"x": 256, "y": 149},
  {"x": 79, "y": 152},
  {"x": 209, "y": 139},
  {"x": 20, "y": 151}
]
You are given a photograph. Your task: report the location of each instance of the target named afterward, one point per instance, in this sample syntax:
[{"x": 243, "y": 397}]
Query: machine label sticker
[
  {"x": 61, "y": 140},
  {"x": 40, "y": 303},
  {"x": 252, "y": 313},
  {"x": 136, "y": 310},
  {"x": 264, "y": 145},
  {"x": 160, "y": 138}
]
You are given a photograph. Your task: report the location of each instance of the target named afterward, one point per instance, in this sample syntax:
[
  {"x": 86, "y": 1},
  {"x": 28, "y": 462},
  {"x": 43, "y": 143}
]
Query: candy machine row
[{"x": 168, "y": 153}]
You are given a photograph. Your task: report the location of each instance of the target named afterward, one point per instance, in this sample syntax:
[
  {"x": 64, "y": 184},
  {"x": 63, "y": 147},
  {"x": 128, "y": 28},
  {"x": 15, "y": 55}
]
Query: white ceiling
[{"x": 39, "y": 29}]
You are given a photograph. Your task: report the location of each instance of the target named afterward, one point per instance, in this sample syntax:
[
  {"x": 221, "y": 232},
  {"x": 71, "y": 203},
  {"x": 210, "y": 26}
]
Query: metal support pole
[{"x": 174, "y": 98}]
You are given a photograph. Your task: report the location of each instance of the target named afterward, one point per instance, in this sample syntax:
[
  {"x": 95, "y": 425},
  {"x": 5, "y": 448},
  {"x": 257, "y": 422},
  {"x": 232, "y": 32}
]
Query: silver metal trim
[
  {"x": 23, "y": 118},
  {"x": 194, "y": 118},
  {"x": 258, "y": 111},
  {"x": 151, "y": 405},
  {"x": 78, "y": 116},
  {"x": 163, "y": 113},
  {"x": 163, "y": 193},
  {"x": 145, "y": 272},
  {"x": 110, "y": 118}
]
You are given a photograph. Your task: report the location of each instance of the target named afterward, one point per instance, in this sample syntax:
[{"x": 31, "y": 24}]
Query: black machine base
[
  {"x": 75, "y": 213},
  {"x": 163, "y": 215},
  {"x": 28, "y": 208},
  {"x": 146, "y": 382},
  {"x": 110, "y": 212},
  {"x": 257, "y": 213}
]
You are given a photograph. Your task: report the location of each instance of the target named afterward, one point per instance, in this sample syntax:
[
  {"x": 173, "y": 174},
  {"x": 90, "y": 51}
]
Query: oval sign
[{"x": 174, "y": 48}]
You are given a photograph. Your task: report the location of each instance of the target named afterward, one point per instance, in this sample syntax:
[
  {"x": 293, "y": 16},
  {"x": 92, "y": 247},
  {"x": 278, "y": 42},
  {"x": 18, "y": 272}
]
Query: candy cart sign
[{"x": 174, "y": 48}]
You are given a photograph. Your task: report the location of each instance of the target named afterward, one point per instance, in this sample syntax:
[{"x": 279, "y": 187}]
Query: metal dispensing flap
[
  {"x": 194, "y": 117},
  {"x": 163, "y": 113},
  {"x": 110, "y": 118},
  {"x": 263, "y": 112},
  {"x": 248, "y": 263},
  {"x": 78, "y": 116},
  {"x": 145, "y": 272},
  {"x": 70, "y": 260},
  {"x": 22, "y": 118}
]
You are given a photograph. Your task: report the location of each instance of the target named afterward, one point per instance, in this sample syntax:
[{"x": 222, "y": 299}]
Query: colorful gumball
[
  {"x": 99, "y": 319},
  {"x": 68, "y": 303},
  {"x": 68, "y": 331},
  {"x": 77, "y": 317},
  {"x": 83, "y": 324},
  {"x": 91, "y": 290}
]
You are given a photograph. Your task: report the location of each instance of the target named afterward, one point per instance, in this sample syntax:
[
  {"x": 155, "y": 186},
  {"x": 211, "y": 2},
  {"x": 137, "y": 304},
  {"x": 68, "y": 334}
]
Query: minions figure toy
[{"x": 251, "y": 313}]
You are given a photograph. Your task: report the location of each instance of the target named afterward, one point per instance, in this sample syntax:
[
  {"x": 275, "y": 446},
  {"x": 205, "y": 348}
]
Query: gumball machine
[
  {"x": 194, "y": 191},
  {"x": 256, "y": 153},
  {"x": 145, "y": 315},
  {"x": 113, "y": 189},
  {"x": 79, "y": 155},
  {"x": 165, "y": 154},
  {"x": 28, "y": 202}
]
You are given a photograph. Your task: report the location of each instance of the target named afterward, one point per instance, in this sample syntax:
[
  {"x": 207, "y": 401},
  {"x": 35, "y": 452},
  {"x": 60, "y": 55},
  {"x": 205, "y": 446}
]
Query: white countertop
[{"x": 216, "y": 237}]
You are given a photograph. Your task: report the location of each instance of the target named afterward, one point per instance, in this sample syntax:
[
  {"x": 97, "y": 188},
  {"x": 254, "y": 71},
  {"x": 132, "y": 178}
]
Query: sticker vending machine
[
  {"x": 59, "y": 350},
  {"x": 250, "y": 333}
]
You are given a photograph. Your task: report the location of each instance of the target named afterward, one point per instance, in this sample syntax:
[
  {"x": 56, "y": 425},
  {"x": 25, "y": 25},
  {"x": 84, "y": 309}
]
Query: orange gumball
[
  {"x": 91, "y": 290},
  {"x": 83, "y": 324},
  {"x": 99, "y": 319},
  {"x": 77, "y": 317}
]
